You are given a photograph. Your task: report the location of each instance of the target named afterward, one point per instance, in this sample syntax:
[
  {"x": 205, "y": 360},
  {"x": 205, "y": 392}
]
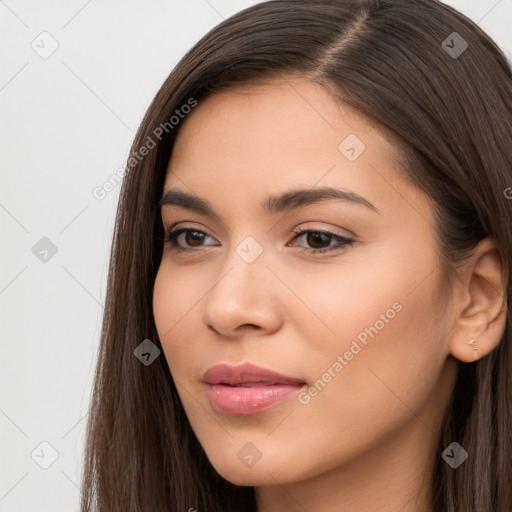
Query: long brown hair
[{"x": 448, "y": 108}]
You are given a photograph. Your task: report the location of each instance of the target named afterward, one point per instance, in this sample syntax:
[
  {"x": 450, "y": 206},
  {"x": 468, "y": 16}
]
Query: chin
[{"x": 269, "y": 472}]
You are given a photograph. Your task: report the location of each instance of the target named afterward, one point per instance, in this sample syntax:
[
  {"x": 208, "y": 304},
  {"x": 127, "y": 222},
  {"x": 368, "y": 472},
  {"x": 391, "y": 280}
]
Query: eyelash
[{"x": 171, "y": 236}]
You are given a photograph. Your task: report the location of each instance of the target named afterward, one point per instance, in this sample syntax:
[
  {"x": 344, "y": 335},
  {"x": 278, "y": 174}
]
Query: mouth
[
  {"x": 249, "y": 384},
  {"x": 248, "y": 389}
]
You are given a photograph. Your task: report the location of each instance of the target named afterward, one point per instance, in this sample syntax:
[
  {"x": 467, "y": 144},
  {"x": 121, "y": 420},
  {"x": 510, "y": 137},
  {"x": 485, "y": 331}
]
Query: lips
[
  {"x": 247, "y": 389},
  {"x": 246, "y": 375}
]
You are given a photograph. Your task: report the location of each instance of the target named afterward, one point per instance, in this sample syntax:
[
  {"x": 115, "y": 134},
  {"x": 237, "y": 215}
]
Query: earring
[{"x": 475, "y": 348}]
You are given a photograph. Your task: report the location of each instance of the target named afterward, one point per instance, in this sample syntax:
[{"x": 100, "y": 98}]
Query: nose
[{"x": 244, "y": 298}]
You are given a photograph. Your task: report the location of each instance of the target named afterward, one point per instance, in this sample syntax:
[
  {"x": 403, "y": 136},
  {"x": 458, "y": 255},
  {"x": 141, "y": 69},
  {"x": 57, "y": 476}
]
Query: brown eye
[
  {"x": 319, "y": 241},
  {"x": 191, "y": 238},
  {"x": 194, "y": 238}
]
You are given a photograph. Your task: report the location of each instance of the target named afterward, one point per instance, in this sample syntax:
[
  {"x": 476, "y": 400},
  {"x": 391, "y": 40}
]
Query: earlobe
[
  {"x": 473, "y": 344},
  {"x": 480, "y": 304}
]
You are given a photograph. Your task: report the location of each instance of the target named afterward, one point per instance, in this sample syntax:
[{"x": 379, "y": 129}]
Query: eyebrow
[{"x": 284, "y": 202}]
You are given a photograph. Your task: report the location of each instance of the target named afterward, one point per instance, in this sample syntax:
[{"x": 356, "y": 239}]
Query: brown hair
[{"x": 451, "y": 117}]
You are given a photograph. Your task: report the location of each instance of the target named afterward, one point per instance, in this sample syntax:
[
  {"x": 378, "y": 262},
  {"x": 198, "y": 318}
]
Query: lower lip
[{"x": 249, "y": 400}]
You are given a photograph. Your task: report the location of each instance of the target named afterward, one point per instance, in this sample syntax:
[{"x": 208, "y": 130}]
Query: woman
[{"x": 309, "y": 291}]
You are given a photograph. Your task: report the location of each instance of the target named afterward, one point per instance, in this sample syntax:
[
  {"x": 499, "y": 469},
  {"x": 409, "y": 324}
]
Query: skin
[{"x": 368, "y": 439}]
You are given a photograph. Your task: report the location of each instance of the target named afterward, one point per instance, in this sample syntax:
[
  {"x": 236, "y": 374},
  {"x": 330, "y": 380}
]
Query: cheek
[
  {"x": 343, "y": 303},
  {"x": 173, "y": 305},
  {"x": 370, "y": 334}
]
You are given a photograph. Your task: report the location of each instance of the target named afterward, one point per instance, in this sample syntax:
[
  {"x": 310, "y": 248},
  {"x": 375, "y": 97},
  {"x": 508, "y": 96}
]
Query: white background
[{"x": 67, "y": 123}]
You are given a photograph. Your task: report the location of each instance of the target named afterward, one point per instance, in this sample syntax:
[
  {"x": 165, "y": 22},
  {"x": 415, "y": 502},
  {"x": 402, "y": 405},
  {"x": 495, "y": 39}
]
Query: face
[{"x": 339, "y": 292}]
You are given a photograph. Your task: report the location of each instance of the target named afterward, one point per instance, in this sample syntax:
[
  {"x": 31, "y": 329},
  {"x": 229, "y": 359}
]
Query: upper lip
[{"x": 245, "y": 373}]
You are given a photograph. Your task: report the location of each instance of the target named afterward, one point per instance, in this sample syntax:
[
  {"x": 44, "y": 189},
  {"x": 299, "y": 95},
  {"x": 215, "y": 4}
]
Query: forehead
[
  {"x": 279, "y": 125},
  {"x": 247, "y": 142}
]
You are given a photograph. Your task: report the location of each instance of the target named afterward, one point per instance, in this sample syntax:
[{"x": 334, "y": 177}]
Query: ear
[{"x": 480, "y": 303}]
